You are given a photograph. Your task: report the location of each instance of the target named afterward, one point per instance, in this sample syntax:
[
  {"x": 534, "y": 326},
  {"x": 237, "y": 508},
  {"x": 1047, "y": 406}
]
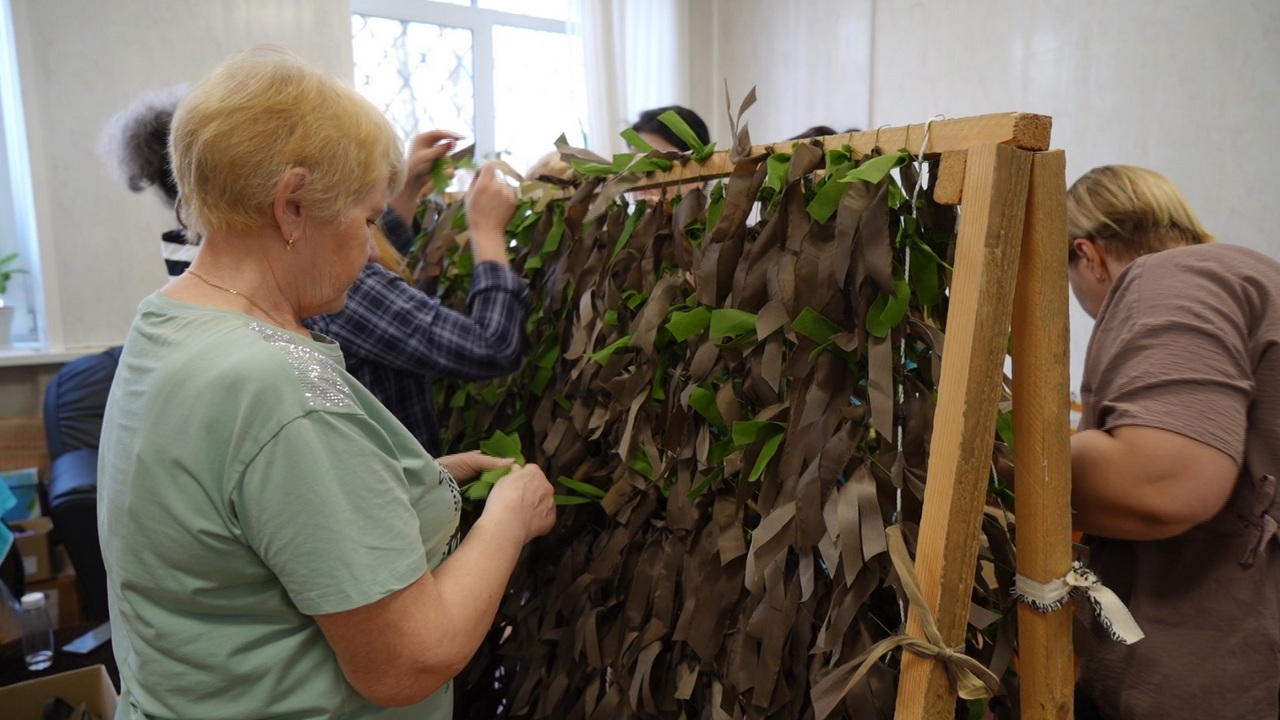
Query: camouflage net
[{"x": 737, "y": 408}]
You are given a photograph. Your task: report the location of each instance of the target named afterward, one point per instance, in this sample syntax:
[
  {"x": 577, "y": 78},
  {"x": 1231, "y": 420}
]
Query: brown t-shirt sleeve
[{"x": 1173, "y": 353}]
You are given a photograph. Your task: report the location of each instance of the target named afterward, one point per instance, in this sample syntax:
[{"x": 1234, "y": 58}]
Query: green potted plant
[{"x": 7, "y": 271}]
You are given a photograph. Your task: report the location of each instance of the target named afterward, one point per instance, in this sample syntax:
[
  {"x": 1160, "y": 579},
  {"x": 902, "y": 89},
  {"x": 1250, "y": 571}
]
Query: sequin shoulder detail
[{"x": 318, "y": 375}]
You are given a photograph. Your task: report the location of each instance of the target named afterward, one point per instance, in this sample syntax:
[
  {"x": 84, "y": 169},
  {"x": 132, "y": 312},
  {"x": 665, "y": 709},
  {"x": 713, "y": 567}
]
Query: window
[
  {"x": 17, "y": 206},
  {"x": 507, "y": 73}
]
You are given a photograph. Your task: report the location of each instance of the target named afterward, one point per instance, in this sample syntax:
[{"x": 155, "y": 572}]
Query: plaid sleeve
[
  {"x": 398, "y": 231},
  {"x": 390, "y": 322}
]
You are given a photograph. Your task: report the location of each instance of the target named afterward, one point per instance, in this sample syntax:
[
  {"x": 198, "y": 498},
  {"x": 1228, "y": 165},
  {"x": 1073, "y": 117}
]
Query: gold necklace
[{"x": 237, "y": 293}]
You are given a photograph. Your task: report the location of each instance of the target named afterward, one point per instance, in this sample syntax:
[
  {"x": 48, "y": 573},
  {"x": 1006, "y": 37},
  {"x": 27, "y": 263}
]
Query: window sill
[{"x": 31, "y": 354}]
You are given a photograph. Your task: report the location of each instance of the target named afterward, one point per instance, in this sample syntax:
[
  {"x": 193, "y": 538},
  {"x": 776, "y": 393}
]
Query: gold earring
[{"x": 289, "y": 245}]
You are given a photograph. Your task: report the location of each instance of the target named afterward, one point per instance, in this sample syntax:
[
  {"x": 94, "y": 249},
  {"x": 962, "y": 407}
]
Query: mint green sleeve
[{"x": 326, "y": 507}]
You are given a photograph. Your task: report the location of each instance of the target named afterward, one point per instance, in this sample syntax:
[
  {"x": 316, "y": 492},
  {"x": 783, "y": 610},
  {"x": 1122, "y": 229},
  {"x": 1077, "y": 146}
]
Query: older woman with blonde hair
[
  {"x": 1174, "y": 467},
  {"x": 276, "y": 543}
]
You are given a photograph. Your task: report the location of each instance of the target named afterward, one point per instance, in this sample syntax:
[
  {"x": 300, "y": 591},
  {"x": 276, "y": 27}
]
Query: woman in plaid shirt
[{"x": 398, "y": 340}]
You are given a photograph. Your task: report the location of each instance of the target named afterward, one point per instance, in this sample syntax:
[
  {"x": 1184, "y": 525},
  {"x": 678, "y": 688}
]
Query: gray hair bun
[{"x": 135, "y": 143}]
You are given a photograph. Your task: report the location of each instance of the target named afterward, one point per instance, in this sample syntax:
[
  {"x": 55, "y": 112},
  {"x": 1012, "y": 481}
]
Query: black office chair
[{"x": 74, "y": 404}]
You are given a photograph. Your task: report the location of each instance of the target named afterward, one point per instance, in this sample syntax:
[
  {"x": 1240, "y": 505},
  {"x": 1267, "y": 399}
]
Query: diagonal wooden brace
[{"x": 988, "y": 243}]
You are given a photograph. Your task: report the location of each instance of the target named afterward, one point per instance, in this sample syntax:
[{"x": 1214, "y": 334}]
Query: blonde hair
[
  {"x": 260, "y": 114},
  {"x": 550, "y": 164},
  {"x": 388, "y": 256},
  {"x": 1131, "y": 211}
]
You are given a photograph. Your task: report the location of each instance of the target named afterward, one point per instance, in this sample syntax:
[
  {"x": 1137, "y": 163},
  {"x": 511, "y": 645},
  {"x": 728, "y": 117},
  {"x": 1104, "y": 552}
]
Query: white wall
[
  {"x": 1186, "y": 87},
  {"x": 83, "y": 60},
  {"x": 809, "y": 61}
]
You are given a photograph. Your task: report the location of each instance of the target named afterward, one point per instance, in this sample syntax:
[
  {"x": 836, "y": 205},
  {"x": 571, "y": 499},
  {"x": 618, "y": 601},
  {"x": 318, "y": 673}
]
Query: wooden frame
[
  {"x": 1010, "y": 270},
  {"x": 949, "y": 140},
  {"x": 1012, "y": 235}
]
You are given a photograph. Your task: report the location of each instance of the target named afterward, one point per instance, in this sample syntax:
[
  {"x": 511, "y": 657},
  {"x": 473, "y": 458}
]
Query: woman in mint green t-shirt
[{"x": 276, "y": 543}]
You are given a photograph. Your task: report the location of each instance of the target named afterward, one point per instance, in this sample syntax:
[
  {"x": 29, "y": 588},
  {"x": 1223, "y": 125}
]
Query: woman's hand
[
  {"x": 523, "y": 499},
  {"x": 401, "y": 648},
  {"x": 490, "y": 204},
  {"x": 467, "y": 466},
  {"x": 425, "y": 150}
]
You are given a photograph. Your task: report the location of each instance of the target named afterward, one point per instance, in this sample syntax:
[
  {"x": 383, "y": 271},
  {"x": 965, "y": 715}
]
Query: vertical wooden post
[
  {"x": 987, "y": 247},
  {"x": 1042, "y": 446}
]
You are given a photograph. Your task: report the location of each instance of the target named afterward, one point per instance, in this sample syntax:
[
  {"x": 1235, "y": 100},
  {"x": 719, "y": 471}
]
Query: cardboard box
[
  {"x": 32, "y": 538},
  {"x": 22, "y": 444},
  {"x": 89, "y": 686},
  {"x": 61, "y": 592}
]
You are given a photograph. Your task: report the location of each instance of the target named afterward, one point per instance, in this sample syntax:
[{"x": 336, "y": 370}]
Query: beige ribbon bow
[{"x": 971, "y": 678}]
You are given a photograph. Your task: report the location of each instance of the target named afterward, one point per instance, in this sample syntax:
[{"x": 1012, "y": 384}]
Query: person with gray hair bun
[
  {"x": 1174, "y": 465},
  {"x": 277, "y": 543},
  {"x": 135, "y": 146}
]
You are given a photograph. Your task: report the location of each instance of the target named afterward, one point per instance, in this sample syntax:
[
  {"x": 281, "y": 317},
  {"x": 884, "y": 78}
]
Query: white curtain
[{"x": 637, "y": 58}]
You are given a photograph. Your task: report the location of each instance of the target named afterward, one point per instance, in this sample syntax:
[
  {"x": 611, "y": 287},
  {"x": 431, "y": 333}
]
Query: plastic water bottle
[{"x": 37, "y": 632}]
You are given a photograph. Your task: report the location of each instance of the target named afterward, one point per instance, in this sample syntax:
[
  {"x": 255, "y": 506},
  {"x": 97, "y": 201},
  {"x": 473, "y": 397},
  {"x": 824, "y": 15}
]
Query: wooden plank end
[
  {"x": 948, "y": 189},
  {"x": 1031, "y": 131}
]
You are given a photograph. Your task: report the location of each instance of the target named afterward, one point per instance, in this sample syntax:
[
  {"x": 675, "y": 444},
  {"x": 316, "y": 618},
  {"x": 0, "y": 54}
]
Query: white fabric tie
[{"x": 1107, "y": 606}]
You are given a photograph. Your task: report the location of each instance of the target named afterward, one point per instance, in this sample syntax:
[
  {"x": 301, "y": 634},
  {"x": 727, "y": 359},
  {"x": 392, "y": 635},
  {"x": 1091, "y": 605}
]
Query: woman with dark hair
[
  {"x": 656, "y": 133},
  {"x": 813, "y": 132}
]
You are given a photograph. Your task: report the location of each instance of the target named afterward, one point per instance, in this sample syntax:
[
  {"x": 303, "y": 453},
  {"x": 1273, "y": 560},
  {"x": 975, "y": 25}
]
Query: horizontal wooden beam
[{"x": 1026, "y": 131}]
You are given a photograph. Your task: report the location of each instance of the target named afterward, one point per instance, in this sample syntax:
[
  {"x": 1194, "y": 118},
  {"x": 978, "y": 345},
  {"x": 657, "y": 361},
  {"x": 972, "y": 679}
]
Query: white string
[
  {"x": 920, "y": 172},
  {"x": 901, "y": 393}
]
